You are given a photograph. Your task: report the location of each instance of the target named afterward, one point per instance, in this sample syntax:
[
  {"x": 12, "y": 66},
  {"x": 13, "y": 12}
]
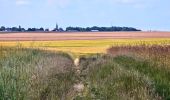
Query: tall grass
[
  {"x": 27, "y": 74},
  {"x": 161, "y": 81},
  {"x": 153, "y": 61},
  {"x": 107, "y": 80},
  {"x": 125, "y": 73}
]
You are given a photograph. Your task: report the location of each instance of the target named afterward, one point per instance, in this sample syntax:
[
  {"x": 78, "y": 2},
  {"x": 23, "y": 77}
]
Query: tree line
[
  {"x": 68, "y": 29},
  {"x": 19, "y": 29},
  {"x": 95, "y": 28}
]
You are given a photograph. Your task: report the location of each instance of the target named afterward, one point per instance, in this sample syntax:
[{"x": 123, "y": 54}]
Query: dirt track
[{"x": 80, "y": 36}]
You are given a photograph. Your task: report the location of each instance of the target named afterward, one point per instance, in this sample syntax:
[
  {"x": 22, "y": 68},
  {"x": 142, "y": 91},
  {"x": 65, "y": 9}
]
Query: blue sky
[{"x": 142, "y": 14}]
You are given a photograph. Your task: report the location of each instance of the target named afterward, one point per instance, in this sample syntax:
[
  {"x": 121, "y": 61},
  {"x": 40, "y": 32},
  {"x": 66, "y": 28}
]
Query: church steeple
[{"x": 56, "y": 26}]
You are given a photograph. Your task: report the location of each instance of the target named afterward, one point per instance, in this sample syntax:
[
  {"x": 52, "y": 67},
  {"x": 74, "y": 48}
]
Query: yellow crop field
[{"x": 81, "y": 47}]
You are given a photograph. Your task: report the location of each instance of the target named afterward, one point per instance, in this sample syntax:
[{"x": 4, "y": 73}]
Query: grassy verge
[
  {"x": 106, "y": 80},
  {"x": 34, "y": 74},
  {"x": 159, "y": 76},
  {"x": 153, "y": 61},
  {"x": 129, "y": 72}
]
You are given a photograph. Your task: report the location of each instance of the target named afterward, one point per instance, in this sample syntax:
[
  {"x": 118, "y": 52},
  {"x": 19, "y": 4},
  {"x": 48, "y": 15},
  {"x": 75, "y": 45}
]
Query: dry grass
[
  {"x": 105, "y": 79},
  {"x": 156, "y": 53},
  {"x": 153, "y": 61},
  {"x": 35, "y": 74}
]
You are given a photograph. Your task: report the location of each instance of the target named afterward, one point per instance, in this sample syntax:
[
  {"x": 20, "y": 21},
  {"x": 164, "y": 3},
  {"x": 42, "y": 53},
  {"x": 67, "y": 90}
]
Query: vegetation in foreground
[
  {"x": 152, "y": 61},
  {"x": 126, "y": 72},
  {"x": 34, "y": 74}
]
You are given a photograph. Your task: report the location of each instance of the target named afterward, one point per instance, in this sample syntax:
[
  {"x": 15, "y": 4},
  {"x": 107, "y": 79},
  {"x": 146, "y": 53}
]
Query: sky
[{"x": 141, "y": 14}]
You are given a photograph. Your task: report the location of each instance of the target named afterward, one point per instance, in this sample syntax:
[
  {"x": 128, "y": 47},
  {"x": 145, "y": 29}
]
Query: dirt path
[{"x": 79, "y": 86}]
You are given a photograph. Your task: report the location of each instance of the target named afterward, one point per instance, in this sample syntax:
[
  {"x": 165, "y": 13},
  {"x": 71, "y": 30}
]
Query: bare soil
[{"x": 31, "y": 36}]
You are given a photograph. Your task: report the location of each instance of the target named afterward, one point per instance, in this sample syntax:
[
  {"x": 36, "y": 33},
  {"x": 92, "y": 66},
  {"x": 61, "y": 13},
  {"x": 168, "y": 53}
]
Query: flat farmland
[
  {"x": 82, "y": 42},
  {"x": 80, "y": 36},
  {"x": 96, "y": 65}
]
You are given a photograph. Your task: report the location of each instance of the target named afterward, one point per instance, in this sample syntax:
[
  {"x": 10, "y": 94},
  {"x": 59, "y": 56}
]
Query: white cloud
[{"x": 22, "y": 2}]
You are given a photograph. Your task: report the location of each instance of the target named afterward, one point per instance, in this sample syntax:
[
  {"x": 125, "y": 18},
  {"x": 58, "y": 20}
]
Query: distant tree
[
  {"x": 14, "y": 29},
  {"x": 101, "y": 29},
  {"x": 75, "y": 29},
  {"x": 47, "y": 30},
  {"x": 2, "y": 28},
  {"x": 95, "y": 28},
  {"x": 22, "y": 29},
  {"x": 69, "y": 28},
  {"x": 41, "y": 29},
  {"x": 29, "y": 29},
  {"x": 88, "y": 29},
  {"x": 34, "y": 29},
  {"x": 8, "y": 29}
]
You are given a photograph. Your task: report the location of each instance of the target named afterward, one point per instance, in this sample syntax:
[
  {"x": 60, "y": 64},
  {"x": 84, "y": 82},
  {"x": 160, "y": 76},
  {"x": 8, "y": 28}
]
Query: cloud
[{"x": 22, "y": 2}]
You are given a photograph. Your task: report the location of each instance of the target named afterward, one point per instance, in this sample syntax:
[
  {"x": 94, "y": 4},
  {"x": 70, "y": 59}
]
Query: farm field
[
  {"x": 80, "y": 36},
  {"x": 83, "y": 47},
  {"x": 85, "y": 66},
  {"x": 82, "y": 43}
]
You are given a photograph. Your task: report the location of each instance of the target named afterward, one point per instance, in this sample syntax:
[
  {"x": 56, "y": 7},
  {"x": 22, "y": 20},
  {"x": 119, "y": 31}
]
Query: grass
[
  {"x": 159, "y": 77},
  {"x": 35, "y": 74},
  {"x": 128, "y": 72},
  {"x": 152, "y": 61},
  {"x": 105, "y": 79}
]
